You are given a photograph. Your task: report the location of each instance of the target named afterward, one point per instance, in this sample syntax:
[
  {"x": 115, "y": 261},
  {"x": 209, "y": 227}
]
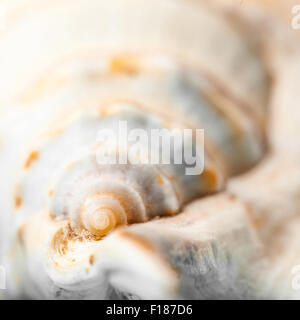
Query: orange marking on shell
[
  {"x": 139, "y": 241},
  {"x": 210, "y": 179},
  {"x": 159, "y": 179},
  {"x": 91, "y": 260},
  {"x": 70, "y": 165},
  {"x": 51, "y": 215},
  {"x": 34, "y": 155},
  {"x": 257, "y": 221},
  {"x": 50, "y": 193},
  {"x": 18, "y": 202},
  {"x": 172, "y": 212},
  {"x": 124, "y": 65},
  {"x": 103, "y": 112}
]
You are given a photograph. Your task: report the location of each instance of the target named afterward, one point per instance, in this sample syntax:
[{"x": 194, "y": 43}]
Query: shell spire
[
  {"x": 101, "y": 183},
  {"x": 108, "y": 133}
]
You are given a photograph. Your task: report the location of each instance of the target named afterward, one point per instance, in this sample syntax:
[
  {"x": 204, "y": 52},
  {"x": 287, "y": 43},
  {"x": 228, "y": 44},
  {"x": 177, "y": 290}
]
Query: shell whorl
[
  {"x": 102, "y": 213},
  {"x": 90, "y": 90},
  {"x": 160, "y": 93}
]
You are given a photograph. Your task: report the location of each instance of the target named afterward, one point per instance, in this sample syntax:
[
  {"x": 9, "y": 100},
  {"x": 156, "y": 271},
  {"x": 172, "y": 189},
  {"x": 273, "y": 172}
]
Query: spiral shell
[
  {"x": 59, "y": 96},
  {"x": 61, "y": 169}
]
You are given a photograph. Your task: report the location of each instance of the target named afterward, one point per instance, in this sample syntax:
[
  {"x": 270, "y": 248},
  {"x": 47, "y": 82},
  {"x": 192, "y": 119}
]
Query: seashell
[
  {"x": 83, "y": 94},
  {"x": 63, "y": 170},
  {"x": 73, "y": 220}
]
